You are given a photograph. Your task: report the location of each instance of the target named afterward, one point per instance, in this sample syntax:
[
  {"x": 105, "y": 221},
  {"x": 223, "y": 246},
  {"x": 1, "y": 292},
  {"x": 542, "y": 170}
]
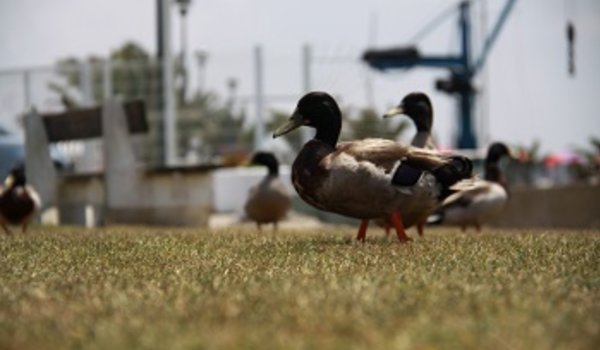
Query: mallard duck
[
  {"x": 417, "y": 106},
  {"x": 18, "y": 201},
  {"x": 367, "y": 179},
  {"x": 478, "y": 201},
  {"x": 268, "y": 201}
]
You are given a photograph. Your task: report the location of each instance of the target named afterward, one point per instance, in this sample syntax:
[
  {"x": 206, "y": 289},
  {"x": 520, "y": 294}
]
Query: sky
[{"x": 526, "y": 92}]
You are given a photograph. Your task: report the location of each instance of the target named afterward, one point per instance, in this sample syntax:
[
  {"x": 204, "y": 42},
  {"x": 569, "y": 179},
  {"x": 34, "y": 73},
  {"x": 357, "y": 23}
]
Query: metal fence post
[
  {"x": 259, "y": 125},
  {"x": 107, "y": 83}
]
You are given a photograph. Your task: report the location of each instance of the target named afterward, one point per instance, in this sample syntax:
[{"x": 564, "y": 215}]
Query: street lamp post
[
  {"x": 202, "y": 57},
  {"x": 184, "y": 6}
]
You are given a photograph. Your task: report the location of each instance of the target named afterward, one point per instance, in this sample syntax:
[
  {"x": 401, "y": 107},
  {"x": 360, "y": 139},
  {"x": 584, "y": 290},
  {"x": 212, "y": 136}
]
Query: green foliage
[
  {"x": 134, "y": 75},
  {"x": 126, "y": 287},
  {"x": 294, "y": 139},
  {"x": 220, "y": 128},
  {"x": 369, "y": 123},
  {"x": 589, "y": 170}
]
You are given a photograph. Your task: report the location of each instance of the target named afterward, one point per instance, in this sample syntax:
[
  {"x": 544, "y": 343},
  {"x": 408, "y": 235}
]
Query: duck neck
[
  {"x": 420, "y": 139},
  {"x": 273, "y": 169},
  {"x": 329, "y": 133},
  {"x": 493, "y": 173},
  {"x": 423, "y": 119}
]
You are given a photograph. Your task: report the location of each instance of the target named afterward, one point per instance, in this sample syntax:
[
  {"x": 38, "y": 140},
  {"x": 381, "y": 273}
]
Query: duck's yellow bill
[
  {"x": 295, "y": 121},
  {"x": 394, "y": 111}
]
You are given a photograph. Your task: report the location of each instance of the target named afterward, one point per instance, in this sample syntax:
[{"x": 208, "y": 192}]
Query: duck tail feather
[
  {"x": 457, "y": 168},
  {"x": 437, "y": 218}
]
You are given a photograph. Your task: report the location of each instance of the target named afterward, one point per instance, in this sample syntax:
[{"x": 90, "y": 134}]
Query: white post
[
  {"x": 259, "y": 126},
  {"x": 306, "y": 81},
  {"x": 107, "y": 85},
  {"x": 168, "y": 90},
  {"x": 27, "y": 89},
  {"x": 85, "y": 84},
  {"x": 39, "y": 168},
  {"x": 120, "y": 163}
]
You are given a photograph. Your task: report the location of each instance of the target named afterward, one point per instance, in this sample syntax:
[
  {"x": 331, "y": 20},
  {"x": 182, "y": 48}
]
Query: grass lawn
[{"x": 137, "y": 288}]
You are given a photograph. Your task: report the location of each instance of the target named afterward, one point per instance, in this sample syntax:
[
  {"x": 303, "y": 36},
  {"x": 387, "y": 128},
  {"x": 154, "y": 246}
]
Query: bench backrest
[{"x": 86, "y": 123}]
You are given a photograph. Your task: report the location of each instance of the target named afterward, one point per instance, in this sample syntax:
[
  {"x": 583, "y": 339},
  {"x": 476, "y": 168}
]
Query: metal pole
[
  {"x": 168, "y": 88},
  {"x": 483, "y": 99},
  {"x": 160, "y": 9},
  {"x": 107, "y": 79},
  {"x": 465, "y": 29},
  {"x": 85, "y": 83},
  {"x": 306, "y": 81},
  {"x": 184, "y": 78},
  {"x": 259, "y": 127},
  {"x": 466, "y": 137},
  {"x": 160, "y": 54},
  {"x": 27, "y": 89},
  {"x": 201, "y": 56}
]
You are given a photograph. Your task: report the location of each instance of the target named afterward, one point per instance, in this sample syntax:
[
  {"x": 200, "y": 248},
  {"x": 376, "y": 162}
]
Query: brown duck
[
  {"x": 367, "y": 179},
  {"x": 268, "y": 201}
]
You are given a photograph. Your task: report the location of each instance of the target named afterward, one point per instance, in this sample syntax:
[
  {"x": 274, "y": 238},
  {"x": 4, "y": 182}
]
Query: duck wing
[
  {"x": 385, "y": 153},
  {"x": 467, "y": 192}
]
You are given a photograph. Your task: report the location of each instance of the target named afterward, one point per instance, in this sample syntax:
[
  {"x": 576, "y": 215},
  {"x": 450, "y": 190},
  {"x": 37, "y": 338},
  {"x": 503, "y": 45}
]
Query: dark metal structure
[{"x": 462, "y": 68}]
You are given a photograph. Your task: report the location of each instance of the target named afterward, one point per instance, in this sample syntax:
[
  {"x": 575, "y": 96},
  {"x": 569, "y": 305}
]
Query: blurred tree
[
  {"x": 134, "y": 75},
  {"x": 589, "y": 169},
  {"x": 369, "y": 123},
  {"x": 219, "y": 128},
  {"x": 529, "y": 154},
  {"x": 277, "y": 119},
  {"x": 525, "y": 169}
]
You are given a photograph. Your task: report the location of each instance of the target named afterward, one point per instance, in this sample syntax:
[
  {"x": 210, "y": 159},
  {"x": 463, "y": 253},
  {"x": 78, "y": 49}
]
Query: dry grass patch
[{"x": 133, "y": 287}]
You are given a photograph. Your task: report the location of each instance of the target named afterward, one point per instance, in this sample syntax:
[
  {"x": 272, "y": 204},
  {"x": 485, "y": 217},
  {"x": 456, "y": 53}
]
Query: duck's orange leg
[
  {"x": 5, "y": 228},
  {"x": 362, "y": 230},
  {"x": 397, "y": 221}
]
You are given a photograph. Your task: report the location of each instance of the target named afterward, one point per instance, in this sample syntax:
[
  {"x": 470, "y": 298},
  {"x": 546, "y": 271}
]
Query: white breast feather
[{"x": 483, "y": 207}]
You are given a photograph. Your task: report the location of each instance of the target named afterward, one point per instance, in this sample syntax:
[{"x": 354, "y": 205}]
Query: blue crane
[{"x": 462, "y": 68}]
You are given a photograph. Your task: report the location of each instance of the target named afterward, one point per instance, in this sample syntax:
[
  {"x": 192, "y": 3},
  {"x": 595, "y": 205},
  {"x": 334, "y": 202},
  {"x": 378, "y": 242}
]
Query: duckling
[
  {"x": 479, "y": 201},
  {"x": 370, "y": 178},
  {"x": 417, "y": 106},
  {"x": 18, "y": 201},
  {"x": 269, "y": 201}
]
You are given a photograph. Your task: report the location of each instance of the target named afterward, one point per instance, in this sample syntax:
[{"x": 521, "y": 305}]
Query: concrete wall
[
  {"x": 574, "y": 206},
  {"x": 167, "y": 198}
]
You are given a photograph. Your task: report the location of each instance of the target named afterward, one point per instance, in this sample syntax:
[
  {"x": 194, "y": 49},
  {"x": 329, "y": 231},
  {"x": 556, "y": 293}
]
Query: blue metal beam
[
  {"x": 451, "y": 62},
  {"x": 466, "y": 136},
  {"x": 491, "y": 39},
  {"x": 461, "y": 68}
]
